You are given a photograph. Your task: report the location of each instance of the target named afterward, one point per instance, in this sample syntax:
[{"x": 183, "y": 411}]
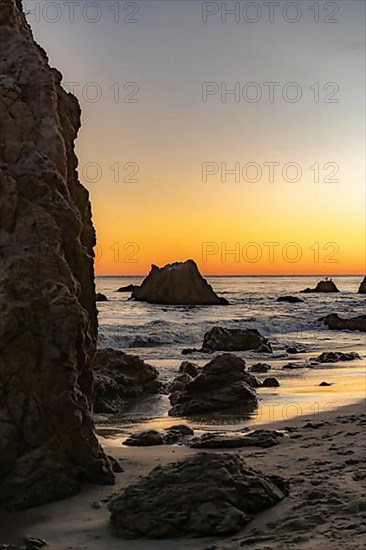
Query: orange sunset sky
[{"x": 165, "y": 128}]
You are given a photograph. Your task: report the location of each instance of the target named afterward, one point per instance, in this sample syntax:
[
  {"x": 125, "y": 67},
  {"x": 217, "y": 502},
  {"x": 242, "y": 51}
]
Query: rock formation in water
[
  {"x": 362, "y": 288},
  {"x": 334, "y": 322},
  {"x": 207, "y": 494},
  {"x": 48, "y": 323},
  {"x": 177, "y": 284},
  {"x": 222, "y": 384},
  {"x": 234, "y": 339},
  {"x": 322, "y": 286}
]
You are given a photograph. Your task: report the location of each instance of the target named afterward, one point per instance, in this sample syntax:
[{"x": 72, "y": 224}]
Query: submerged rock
[
  {"x": 362, "y": 287},
  {"x": 257, "y": 438},
  {"x": 120, "y": 377},
  {"x": 221, "y": 384},
  {"x": 99, "y": 297},
  {"x": 208, "y": 494},
  {"x": 323, "y": 286},
  {"x": 334, "y": 322},
  {"x": 270, "y": 382},
  {"x": 177, "y": 284},
  {"x": 48, "y": 323},
  {"x": 335, "y": 356},
  {"x": 289, "y": 299},
  {"x": 260, "y": 367},
  {"x": 233, "y": 339},
  {"x": 169, "y": 436}
]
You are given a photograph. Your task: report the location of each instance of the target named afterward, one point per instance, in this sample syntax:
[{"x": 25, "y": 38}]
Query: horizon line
[{"x": 250, "y": 275}]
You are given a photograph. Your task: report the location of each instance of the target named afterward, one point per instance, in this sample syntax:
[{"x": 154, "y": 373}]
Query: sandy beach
[{"x": 322, "y": 455}]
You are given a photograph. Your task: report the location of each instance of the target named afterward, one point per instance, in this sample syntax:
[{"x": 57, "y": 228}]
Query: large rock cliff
[{"x": 48, "y": 321}]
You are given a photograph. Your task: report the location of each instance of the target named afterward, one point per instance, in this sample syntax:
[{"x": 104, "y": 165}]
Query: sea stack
[
  {"x": 323, "y": 286},
  {"x": 179, "y": 283},
  {"x": 362, "y": 288},
  {"x": 48, "y": 313}
]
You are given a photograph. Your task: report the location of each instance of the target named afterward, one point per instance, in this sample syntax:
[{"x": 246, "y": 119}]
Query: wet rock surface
[
  {"x": 220, "y": 385},
  {"x": 171, "y": 435},
  {"x": 289, "y": 299},
  {"x": 202, "y": 495},
  {"x": 48, "y": 322},
  {"x": 335, "y": 357},
  {"x": 225, "y": 339},
  {"x": 257, "y": 438},
  {"x": 27, "y": 543},
  {"x": 120, "y": 377},
  {"x": 335, "y": 322},
  {"x": 260, "y": 368}
]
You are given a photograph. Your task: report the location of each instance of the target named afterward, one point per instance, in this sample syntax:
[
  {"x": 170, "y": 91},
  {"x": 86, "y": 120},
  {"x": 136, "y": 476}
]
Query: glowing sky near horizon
[{"x": 169, "y": 133}]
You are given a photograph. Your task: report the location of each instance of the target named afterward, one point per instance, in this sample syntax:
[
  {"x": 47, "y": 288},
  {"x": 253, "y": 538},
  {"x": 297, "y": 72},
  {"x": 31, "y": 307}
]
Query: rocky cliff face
[{"x": 48, "y": 321}]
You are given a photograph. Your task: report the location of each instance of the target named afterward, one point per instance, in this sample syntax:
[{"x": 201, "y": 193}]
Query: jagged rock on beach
[
  {"x": 335, "y": 357},
  {"x": 334, "y": 322},
  {"x": 99, "y": 297},
  {"x": 362, "y": 287},
  {"x": 190, "y": 368},
  {"x": 120, "y": 377},
  {"x": 169, "y": 436},
  {"x": 322, "y": 286},
  {"x": 270, "y": 382},
  {"x": 257, "y": 438},
  {"x": 179, "y": 382},
  {"x": 207, "y": 494},
  {"x": 179, "y": 283},
  {"x": 221, "y": 384},
  {"x": 226, "y": 339},
  {"x": 289, "y": 299},
  {"x": 48, "y": 313}
]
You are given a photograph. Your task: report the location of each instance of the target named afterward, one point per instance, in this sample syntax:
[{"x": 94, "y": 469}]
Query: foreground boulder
[
  {"x": 202, "y": 495},
  {"x": 289, "y": 299},
  {"x": 257, "y": 438},
  {"x": 177, "y": 284},
  {"x": 322, "y": 286},
  {"x": 48, "y": 323},
  {"x": 335, "y": 356},
  {"x": 362, "y": 287},
  {"x": 234, "y": 339},
  {"x": 221, "y": 385},
  {"x": 120, "y": 377},
  {"x": 334, "y": 322}
]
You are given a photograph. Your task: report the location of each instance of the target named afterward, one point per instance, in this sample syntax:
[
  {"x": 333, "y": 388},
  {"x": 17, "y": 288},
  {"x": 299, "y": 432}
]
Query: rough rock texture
[
  {"x": 289, "y": 299},
  {"x": 171, "y": 435},
  {"x": 334, "y": 322},
  {"x": 189, "y": 368},
  {"x": 120, "y": 377},
  {"x": 335, "y": 356},
  {"x": 177, "y": 284},
  {"x": 48, "y": 322},
  {"x": 179, "y": 382},
  {"x": 206, "y": 494},
  {"x": 322, "y": 286},
  {"x": 233, "y": 339},
  {"x": 260, "y": 368},
  {"x": 257, "y": 438},
  {"x": 221, "y": 384},
  {"x": 362, "y": 288}
]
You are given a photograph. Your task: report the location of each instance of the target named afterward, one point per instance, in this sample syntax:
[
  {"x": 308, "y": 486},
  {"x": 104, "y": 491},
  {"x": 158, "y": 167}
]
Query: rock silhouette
[
  {"x": 48, "y": 315},
  {"x": 176, "y": 284},
  {"x": 226, "y": 339},
  {"x": 322, "y": 286},
  {"x": 334, "y": 322},
  {"x": 362, "y": 288}
]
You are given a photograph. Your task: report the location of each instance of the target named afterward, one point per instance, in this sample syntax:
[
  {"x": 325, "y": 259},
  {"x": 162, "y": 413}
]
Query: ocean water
[{"x": 159, "y": 333}]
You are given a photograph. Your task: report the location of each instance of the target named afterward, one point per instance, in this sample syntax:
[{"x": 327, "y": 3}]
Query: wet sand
[{"x": 323, "y": 456}]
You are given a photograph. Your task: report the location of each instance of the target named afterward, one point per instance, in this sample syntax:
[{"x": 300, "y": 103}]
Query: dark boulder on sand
[
  {"x": 148, "y": 438},
  {"x": 221, "y": 384},
  {"x": 322, "y": 286},
  {"x": 270, "y": 382},
  {"x": 233, "y": 339},
  {"x": 335, "y": 356},
  {"x": 289, "y": 299},
  {"x": 207, "y": 494},
  {"x": 120, "y": 377},
  {"x": 334, "y": 322},
  {"x": 260, "y": 368},
  {"x": 177, "y": 284},
  {"x": 48, "y": 322},
  {"x": 99, "y": 297},
  {"x": 362, "y": 288}
]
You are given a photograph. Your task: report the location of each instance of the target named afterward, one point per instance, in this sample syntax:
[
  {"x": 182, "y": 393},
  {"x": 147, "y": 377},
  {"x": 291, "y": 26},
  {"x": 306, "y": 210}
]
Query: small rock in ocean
[
  {"x": 334, "y": 322},
  {"x": 128, "y": 288},
  {"x": 335, "y": 356},
  {"x": 325, "y": 384},
  {"x": 362, "y": 288},
  {"x": 289, "y": 299},
  {"x": 99, "y": 297},
  {"x": 270, "y": 382},
  {"x": 260, "y": 367},
  {"x": 322, "y": 286},
  {"x": 207, "y": 494},
  {"x": 293, "y": 366},
  {"x": 226, "y": 339}
]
